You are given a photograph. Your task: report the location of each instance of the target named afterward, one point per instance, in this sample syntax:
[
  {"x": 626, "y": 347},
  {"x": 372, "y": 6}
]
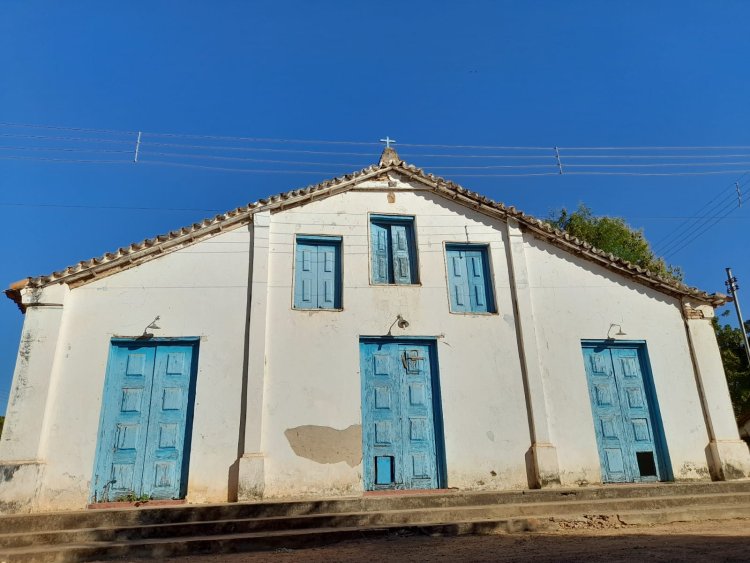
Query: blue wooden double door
[
  {"x": 402, "y": 441},
  {"x": 623, "y": 403},
  {"x": 145, "y": 423}
]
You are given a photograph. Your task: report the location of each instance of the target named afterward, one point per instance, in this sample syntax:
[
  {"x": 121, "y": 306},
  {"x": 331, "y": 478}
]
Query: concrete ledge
[
  {"x": 546, "y": 465},
  {"x": 136, "y": 504},
  {"x": 19, "y": 486},
  {"x": 251, "y": 477},
  {"x": 732, "y": 458}
]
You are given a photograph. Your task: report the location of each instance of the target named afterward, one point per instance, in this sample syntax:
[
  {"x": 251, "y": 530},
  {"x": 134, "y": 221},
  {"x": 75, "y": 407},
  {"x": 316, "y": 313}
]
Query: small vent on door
[
  {"x": 646, "y": 464},
  {"x": 384, "y": 470}
]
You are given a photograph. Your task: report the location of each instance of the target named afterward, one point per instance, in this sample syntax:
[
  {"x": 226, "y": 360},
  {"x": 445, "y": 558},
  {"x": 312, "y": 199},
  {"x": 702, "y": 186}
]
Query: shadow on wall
[{"x": 600, "y": 270}]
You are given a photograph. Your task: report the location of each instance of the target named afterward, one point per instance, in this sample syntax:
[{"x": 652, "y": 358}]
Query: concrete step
[
  {"x": 364, "y": 519},
  {"x": 190, "y": 513},
  {"x": 159, "y": 532},
  {"x": 298, "y": 539}
]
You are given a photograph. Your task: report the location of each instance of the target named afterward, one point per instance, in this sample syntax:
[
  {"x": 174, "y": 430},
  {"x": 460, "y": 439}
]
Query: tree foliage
[
  {"x": 613, "y": 235},
  {"x": 2, "y": 421},
  {"x": 731, "y": 346}
]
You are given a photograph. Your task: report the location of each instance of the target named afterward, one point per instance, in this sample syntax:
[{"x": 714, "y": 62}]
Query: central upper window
[
  {"x": 393, "y": 249},
  {"x": 317, "y": 279}
]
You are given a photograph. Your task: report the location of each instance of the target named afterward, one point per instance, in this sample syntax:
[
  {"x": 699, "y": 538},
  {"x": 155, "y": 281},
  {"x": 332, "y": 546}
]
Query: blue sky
[{"x": 539, "y": 74}]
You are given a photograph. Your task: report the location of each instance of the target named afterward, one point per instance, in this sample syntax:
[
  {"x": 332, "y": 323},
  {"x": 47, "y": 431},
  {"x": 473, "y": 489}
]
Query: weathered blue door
[
  {"x": 625, "y": 429},
  {"x": 400, "y": 446},
  {"x": 145, "y": 421}
]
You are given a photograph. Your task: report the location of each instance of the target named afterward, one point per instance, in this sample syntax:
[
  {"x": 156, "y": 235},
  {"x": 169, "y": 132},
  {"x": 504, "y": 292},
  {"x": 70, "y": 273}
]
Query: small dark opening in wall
[
  {"x": 384, "y": 470},
  {"x": 646, "y": 464}
]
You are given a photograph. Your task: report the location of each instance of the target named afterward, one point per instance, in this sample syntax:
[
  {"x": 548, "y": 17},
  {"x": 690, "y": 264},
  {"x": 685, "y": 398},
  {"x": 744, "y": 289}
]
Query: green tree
[
  {"x": 731, "y": 346},
  {"x": 614, "y": 235},
  {"x": 2, "y": 421}
]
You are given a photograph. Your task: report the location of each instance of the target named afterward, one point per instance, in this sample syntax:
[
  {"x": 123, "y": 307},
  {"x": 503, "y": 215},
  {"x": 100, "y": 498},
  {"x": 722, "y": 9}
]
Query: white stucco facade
[{"x": 277, "y": 406}]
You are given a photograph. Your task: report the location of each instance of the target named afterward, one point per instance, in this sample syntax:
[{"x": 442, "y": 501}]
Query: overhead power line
[
  {"x": 715, "y": 210},
  {"x": 95, "y": 140},
  {"x": 89, "y": 207},
  {"x": 245, "y": 170},
  {"x": 105, "y": 207},
  {"x": 58, "y": 138},
  {"x": 665, "y": 244},
  {"x": 707, "y": 209},
  {"x": 65, "y": 149},
  {"x": 365, "y": 143},
  {"x": 72, "y": 160},
  {"x": 552, "y": 162},
  {"x": 699, "y": 232},
  {"x": 150, "y": 161},
  {"x": 514, "y": 161}
]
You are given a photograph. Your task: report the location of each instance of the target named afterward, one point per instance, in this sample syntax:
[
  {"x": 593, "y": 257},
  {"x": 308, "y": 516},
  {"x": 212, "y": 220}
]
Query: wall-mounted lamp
[
  {"x": 153, "y": 326},
  {"x": 400, "y": 321},
  {"x": 618, "y": 333}
]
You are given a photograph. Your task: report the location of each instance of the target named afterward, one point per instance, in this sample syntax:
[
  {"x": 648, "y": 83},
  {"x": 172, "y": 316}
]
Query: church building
[{"x": 384, "y": 330}]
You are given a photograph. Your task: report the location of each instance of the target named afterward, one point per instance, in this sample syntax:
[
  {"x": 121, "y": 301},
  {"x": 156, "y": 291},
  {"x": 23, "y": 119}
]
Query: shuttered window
[
  {"x": 393, "y": 250},
  {"x": 469, "y": 282},
  {"x": 317, "y": 280}
]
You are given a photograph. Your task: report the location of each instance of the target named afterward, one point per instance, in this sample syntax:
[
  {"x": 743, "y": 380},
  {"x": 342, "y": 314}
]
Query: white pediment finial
[{"x": 388, "y": 141}]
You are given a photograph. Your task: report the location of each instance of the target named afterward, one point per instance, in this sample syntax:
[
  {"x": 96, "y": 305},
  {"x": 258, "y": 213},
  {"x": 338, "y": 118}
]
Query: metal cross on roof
[{"x": 388, "y": 141}]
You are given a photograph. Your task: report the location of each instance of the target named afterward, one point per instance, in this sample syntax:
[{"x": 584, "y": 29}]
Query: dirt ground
[{"x": 726, "y": 540}]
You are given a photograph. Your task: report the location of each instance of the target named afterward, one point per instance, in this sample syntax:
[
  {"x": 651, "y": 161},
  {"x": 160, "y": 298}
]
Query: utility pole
[{"x": 732, "y": 286}]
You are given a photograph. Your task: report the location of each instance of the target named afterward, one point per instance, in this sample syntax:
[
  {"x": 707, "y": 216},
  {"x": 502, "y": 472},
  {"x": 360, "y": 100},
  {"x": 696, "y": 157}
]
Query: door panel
[
  {"x": 124, "y": 424},
  {"x": 622, "y": 420},
  {"x": 167, "y": 419},
  {"x": 399, "y": 447},
  {"x": 635, "y": 410},
  {"x": 608, "y": 423},
  {"x": 383, "y": 407},
  {"x": 142, "y": 432},
  {"x": 418, "y": 424}
]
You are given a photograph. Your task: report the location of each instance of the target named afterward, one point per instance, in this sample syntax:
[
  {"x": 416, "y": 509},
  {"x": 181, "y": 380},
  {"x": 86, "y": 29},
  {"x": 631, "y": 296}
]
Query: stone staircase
[{"x": 190, "y": 529}]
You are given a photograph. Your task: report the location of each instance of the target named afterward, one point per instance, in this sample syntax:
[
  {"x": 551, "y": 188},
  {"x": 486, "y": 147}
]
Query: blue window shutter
[
  {"x": 476, "y": 280},
  {"x": 318, "y": 273},
  {"x": 380, "y": 262},
  {"x": 457, "y": 282},
  {"x": 469, "y": 280},
  {"x": 327, "y": 276},
  {"x": 401, "y": 243},
  {"x": 393, "y": 250},
  {"x": 306, "y": 284}
]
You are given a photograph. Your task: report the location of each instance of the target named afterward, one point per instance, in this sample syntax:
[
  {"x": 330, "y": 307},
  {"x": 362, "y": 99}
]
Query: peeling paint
[
  {"x": 11, "y": 507},
  {"x": 732, "y": 472},
  {"x": 690, "y": 471},
  {"x": 7, "y": 472},
  {"x": 24, "y": 350},
  {"x": 323, "y": 444}
]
